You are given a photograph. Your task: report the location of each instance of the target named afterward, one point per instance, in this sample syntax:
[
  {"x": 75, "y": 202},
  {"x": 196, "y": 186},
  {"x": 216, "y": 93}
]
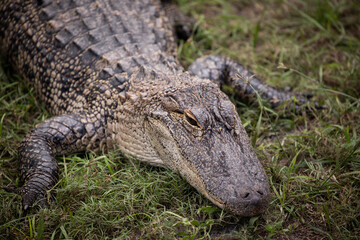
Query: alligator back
[{"x": 71, "y": 48}]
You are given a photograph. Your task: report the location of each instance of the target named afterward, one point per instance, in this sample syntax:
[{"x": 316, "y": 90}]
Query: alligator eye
[
  {"x": 192, "y": 121},
  {"x": 190, "y": 118}
]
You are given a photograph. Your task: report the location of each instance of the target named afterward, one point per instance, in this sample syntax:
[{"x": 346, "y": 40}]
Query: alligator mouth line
[{"x": 201, "y": 187}]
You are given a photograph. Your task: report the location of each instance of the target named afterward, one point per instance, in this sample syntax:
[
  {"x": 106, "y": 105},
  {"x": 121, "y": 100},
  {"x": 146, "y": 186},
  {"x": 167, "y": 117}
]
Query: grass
[{"x": 312, "y": 161}]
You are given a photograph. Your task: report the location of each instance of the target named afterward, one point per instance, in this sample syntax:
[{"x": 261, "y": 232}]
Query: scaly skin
[{"x": 107, "y": 71}]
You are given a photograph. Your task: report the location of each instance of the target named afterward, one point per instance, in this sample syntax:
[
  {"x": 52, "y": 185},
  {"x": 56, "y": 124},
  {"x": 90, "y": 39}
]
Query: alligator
[{"x": 107, "y": 71}]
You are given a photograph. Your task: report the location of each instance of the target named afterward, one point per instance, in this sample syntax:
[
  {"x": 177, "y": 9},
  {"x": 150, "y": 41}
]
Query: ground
[{"x": 312, "y": 158}]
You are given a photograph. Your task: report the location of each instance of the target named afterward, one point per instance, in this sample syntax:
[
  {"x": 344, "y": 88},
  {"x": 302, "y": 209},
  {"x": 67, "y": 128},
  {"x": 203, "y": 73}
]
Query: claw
[{"x": 25, "y": 207}]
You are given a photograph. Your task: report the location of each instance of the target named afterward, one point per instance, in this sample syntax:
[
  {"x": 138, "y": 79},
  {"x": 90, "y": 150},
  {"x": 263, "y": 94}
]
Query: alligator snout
[{"x": 249, "y": 203}]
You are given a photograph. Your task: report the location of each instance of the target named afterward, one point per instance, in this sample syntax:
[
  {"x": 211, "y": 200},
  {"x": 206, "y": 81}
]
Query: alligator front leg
[
  {"x": 57, "y": 135},
  {"x": 245, "y": 83}
]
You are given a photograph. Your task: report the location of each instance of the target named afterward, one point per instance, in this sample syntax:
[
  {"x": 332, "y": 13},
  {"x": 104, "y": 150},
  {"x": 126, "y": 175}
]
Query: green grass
[{"x": 313, "y": 162}]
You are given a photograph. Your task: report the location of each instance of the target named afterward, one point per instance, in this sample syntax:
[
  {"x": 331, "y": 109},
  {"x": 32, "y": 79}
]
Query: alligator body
[{"x": 107, "y": 71}]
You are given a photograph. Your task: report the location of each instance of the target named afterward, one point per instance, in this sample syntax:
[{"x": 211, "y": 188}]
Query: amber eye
[
  {"x": 190, "y": 118},
  {"x": 192, "y": 121}
]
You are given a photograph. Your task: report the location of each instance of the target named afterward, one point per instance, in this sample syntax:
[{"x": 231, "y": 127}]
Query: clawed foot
[{"x": 31, "y": 197}]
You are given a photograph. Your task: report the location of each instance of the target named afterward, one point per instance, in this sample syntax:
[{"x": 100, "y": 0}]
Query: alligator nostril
[
  {"x": 260, "y": 192},
  {"x": 246, "y": 195}
]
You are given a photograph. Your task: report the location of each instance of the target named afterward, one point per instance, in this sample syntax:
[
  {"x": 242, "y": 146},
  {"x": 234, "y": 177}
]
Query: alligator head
[{"x": 197, "y": 132}]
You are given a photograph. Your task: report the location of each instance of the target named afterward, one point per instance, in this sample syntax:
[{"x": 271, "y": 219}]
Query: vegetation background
[{"x": 312, "y": 160}]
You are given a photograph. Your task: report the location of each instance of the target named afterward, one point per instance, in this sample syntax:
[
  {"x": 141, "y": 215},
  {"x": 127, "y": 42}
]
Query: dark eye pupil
[
  {"x": 192, "y": 121},
  {"x": 179, "y": 111}
]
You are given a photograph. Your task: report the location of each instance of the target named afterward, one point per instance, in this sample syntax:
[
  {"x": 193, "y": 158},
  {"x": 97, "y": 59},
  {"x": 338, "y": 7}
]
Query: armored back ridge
[{"x": 107, "y": 71}]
